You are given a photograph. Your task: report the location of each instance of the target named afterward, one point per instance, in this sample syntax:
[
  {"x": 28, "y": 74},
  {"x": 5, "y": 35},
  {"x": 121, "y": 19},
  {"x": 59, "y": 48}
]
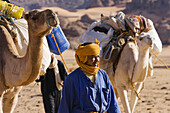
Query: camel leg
[
  {"x": 1, "y": 97},
  {"x": 134, "y": 98},
  {"x": 124, "y": 99},
  {"x": 150, "y": 67},
  {"x": 116, "y": 93},
  {"x": 10, "y": 99},
  {"x": 1, "y": 104}
]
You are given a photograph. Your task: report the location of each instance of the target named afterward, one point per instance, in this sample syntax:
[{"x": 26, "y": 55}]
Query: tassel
[{"x": 52, "y": 36}]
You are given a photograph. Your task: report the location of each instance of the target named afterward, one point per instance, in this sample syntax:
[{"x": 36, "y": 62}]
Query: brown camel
[{"x": 15, "y": 70}]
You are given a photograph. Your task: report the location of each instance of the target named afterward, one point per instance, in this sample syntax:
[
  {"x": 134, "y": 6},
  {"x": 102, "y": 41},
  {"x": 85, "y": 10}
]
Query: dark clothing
[
  {"x": 62, "y": 70},
  {"x": 51, "y": 95}
]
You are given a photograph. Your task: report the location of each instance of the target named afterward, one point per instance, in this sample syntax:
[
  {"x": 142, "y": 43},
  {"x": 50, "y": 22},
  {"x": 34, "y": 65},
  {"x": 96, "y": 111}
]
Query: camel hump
[{"x": 8, "y": 41}]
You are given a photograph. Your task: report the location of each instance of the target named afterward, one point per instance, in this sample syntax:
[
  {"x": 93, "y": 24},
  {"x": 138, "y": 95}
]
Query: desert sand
[{"x": 155, "y": 97}]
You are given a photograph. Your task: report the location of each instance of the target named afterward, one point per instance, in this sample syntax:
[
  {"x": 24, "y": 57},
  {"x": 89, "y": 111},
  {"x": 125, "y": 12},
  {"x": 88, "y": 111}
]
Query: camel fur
[
  {"x": 132, "y": 69},
  {"x": 15, "y": 70}
]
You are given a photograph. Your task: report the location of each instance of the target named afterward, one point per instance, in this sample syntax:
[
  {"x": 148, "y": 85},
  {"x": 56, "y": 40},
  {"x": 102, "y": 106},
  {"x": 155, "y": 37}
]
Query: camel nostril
[{"x": 53, "y": 22}]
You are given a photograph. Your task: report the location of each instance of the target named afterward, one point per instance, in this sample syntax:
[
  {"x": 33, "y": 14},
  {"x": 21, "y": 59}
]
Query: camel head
[
  {"x": 40, "y": 22},
  {"x": 145, "y": 41}
]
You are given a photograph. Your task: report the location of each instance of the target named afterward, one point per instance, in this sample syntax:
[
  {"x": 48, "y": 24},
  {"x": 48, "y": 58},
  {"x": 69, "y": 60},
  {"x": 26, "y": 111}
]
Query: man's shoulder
[
  {"x": 101, "y": 70},
  {"x": 103, "y": 73},
  {"x": 75, "y": 73}
]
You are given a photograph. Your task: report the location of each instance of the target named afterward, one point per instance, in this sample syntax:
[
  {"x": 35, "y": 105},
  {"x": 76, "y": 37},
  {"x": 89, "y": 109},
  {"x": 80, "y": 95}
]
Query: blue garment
[{"x": 81, "y": 95}]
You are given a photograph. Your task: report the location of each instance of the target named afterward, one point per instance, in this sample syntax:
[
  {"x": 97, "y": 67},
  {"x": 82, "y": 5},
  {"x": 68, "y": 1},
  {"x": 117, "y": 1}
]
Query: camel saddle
[
  {"x": 112, "y": 51},
  {"x": 8, "y": 25}
]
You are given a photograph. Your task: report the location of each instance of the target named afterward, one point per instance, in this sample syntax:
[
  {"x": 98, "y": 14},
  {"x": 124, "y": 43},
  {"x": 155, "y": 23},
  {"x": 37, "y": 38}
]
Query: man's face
[{"x": 93, "y": 60}]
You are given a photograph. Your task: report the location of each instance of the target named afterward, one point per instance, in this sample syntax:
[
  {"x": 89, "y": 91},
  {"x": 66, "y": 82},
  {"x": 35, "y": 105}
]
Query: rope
[
  {"x": 154, "y": 62},
  {"x": 133, "y": 86},
  {"x": 159, "y": 60},
  {"x": 52, "y": 36}
]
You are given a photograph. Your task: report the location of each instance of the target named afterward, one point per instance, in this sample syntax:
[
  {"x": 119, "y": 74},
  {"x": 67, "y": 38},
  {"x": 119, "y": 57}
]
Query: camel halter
[{"x": 52, "y": 36}]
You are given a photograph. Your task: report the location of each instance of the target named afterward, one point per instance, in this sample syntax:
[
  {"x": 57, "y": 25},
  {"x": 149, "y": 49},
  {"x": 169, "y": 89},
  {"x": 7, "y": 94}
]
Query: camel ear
[
  {"x": 26, "y": 15},
  {"x": 103, "y": 17}
]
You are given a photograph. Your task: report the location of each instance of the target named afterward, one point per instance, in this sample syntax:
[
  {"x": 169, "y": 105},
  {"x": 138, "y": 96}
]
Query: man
[{"x": 88, "y": 89}]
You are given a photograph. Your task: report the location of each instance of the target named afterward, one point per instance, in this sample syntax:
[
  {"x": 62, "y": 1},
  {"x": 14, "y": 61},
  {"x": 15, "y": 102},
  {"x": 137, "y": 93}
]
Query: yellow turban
[{"x": 81, "y": 56}]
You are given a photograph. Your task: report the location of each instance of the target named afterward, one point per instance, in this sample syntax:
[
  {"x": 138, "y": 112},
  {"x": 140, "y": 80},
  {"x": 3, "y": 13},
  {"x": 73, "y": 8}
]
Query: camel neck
[
  {"x": 141, "y": 66},
  {"x": 34, "y": 56}
]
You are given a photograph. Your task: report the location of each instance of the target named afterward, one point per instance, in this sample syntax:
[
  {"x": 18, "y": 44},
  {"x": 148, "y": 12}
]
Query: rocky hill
[{"x": 67, "y": 4}]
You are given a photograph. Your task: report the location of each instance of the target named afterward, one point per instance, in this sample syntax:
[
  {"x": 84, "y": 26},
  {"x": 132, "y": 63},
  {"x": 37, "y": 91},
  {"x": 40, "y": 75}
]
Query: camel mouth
[
  {"x": 54, "y": 24},
  {"x": 53, "y": 21}
]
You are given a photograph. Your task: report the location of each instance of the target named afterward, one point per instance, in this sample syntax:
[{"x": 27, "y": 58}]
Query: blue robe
[{"x": 81, "y": 95}]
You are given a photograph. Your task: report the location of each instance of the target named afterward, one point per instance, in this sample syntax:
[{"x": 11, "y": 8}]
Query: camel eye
[{"x": 34, "y": 18}]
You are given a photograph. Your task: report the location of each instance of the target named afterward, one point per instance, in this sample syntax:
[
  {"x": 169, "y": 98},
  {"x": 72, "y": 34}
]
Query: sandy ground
[{"x": 155, "y": 97}]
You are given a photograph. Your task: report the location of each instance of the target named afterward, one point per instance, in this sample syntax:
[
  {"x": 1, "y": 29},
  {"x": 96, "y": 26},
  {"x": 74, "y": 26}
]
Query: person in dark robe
[{"x": 51, "y": 85}]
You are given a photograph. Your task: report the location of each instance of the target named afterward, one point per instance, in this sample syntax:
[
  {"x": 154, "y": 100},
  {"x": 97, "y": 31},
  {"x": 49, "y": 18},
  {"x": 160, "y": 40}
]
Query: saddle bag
[{"x": 112, "y": 51}]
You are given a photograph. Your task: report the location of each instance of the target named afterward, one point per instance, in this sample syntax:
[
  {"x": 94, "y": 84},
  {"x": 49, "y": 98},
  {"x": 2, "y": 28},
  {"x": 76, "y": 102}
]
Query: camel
[
  {"x": 15, "y": 70},
  {"x": 131, "y": 71},
  {"x": 134, "y": 58}
]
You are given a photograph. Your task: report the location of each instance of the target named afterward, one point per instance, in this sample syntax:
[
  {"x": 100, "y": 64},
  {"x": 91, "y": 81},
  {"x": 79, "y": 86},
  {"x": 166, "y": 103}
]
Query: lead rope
[
  {"x": 133, "y": 86},
  {"x": 52, "y": 36},
  {"x": 159, "y": 60}
]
